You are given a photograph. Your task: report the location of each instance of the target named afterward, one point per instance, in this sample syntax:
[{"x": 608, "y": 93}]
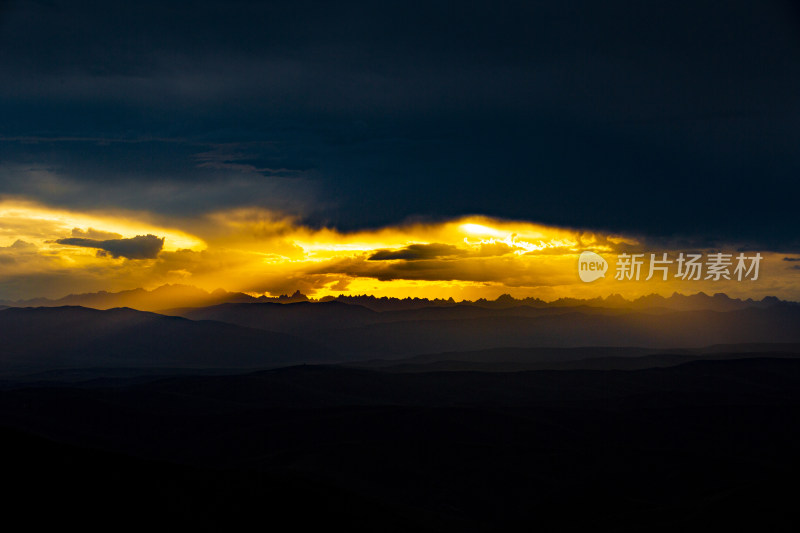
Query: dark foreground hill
[
  {"x": 234, "y": 337},
  {"x": 36, "y": 339},
  {"x": 584, "y": 358},
  {"x": 703, "y": 446}
]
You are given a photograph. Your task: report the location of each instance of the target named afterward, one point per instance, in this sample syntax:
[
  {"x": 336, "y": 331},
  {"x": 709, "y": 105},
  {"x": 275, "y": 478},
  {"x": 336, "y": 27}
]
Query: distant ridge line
[{"x": 172, "y": 296}]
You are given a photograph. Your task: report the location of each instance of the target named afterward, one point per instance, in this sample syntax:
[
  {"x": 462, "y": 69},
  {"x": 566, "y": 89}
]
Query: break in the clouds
[
  {"x": 139, "y": 247},
  {"x": 57, "y": 252}
]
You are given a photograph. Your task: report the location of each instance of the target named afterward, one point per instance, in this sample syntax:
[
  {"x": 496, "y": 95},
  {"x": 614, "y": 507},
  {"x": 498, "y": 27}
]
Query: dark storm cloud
[
  {"x": 672, "y": 119},
  {"x": 476, "y": 269},
  {"x": 139, "y": 247},
  {"x": 416, "y": 252}
]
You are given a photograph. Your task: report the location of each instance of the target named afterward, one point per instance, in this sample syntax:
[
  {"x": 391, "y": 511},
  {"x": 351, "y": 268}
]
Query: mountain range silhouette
[
  {"x": 372, "y": 414},
  {"x": 178, "y": 296}
]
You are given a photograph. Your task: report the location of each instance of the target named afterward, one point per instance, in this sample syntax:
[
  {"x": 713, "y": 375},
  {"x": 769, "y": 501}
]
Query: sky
[{"x": 430, "y": 149}]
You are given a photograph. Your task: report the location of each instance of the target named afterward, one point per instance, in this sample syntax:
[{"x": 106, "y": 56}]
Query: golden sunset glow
[
  {"x": 32, "y": 222},
  {"x": 258, "y": 251}
]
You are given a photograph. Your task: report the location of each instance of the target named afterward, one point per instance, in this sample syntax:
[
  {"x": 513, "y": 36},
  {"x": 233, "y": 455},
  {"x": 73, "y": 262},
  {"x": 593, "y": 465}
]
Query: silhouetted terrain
[
  {"x": 587, "y": 358},
  {"x": 97, "y": 488},
  {"x": 37, "y": 339},
  {"x": 264, "y": 335},
  {"x": 153, "y": 300},
  {"x": 300, "y": 317},
  {"x": 444, "y": 418},
  {"x": 707, "y": 445},
  {"x": 359, "y": 333},
  {"x": 181, "y": 296}
]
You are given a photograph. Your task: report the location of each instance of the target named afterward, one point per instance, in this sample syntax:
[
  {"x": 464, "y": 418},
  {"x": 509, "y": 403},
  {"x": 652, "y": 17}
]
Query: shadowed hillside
[
  {"x": 36, "y": 339},
  {"x": 359, "y": 333},
  {"x": 587, "y": 358},
  {"x": 263, "y": 335},
  {"x": 500, "y": 418},
  {"x": 707, "y": 445}
]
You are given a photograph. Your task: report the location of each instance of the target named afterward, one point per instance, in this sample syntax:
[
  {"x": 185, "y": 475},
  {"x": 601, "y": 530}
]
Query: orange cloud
[{"x": 259, "y": 251}]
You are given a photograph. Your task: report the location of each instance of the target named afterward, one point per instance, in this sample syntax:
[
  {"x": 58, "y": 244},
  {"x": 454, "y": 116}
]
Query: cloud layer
[
  {"x": 675, "y": 119},
  {"x": 139, "y": 247},
  {"x": 48, "y": 252}
]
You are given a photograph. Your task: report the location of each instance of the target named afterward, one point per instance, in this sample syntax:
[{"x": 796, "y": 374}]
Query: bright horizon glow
[
  {"x": 65, "y": 221},
  {"x": 261, "y": 252}
]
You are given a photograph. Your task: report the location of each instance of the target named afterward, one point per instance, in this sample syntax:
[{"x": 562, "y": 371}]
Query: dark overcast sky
[{"x": 658, "y": 117}]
